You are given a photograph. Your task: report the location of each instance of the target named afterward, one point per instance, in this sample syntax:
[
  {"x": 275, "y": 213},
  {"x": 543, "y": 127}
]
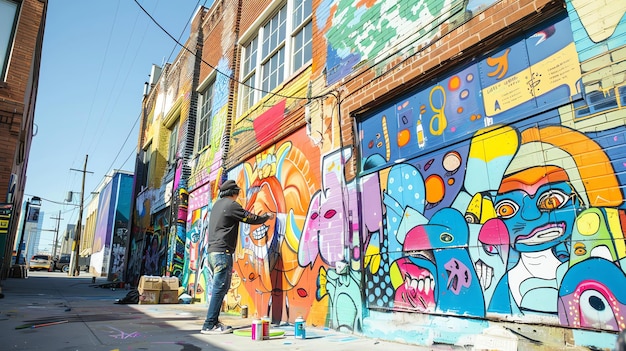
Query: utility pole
[
  {"x": 56, "y": 235},
  {"x": 74, "y": 266}
]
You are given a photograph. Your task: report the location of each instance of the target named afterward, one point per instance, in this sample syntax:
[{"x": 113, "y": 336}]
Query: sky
[{"x": 97, "y": 56}]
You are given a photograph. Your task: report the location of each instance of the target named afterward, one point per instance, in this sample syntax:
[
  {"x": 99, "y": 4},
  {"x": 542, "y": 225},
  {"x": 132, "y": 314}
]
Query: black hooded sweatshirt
[{"x": 224, "y": 224}]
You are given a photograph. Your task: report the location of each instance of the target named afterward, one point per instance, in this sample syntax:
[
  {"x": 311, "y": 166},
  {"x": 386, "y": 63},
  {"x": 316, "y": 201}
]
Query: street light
[{"x": 34, "y": 201}]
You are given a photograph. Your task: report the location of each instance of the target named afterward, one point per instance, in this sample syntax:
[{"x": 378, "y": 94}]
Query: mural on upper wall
[
  {"x": 528, "y": 217},
  {"x": 361, "y": 31}
]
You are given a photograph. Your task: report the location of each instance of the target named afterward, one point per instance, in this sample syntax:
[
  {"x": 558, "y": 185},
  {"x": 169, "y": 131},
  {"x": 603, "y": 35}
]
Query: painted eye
[
  {"x": 491, "y": 249},
  {"x": 595, "y": 308},
  {"x": 551, "y": 200},
  {"x": 314, "y": 215},
  {"x": 446, "y": 237},
  {"x": 506, "y": 209},
  {"x": 580, "y": 249},
  {"x": 330, "y": 214}
]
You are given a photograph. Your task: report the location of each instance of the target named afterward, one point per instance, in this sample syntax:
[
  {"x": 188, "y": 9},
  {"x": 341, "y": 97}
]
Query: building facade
[
  {"x": 104, "y": 240},
  {"x": 21, "y": 37},
  {"x": 442, "y": 171}
]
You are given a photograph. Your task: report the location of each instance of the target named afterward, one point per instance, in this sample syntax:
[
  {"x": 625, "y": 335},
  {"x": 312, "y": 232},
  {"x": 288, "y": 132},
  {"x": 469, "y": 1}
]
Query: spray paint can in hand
[
  {"x": 266, "y": 327},
  {"x": 300, "y": 329},
  {"x": 257, "y": 330}
]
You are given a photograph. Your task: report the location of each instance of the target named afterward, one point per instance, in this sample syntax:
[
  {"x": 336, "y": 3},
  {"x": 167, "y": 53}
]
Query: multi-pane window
[
  {"x": 8, "y": 19},
  {"x": 278, "y": 48},
  {"x": 248, "y": 69},
  {"x": 206, "y": 114},
  {"x": 273, "y": 51},
  {"x": 302, "y": 36},
  {"x": 171, "y": 153}
]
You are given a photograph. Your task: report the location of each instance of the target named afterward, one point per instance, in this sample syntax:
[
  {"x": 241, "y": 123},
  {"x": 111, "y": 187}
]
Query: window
[
  {"x": 8, "y": 20},
  {"x": 148, "y": 165},
  {"x": 277, "y": 49},
  {"x": 206, "y": 114},
  {"x": 171, "y": 154},
  {"x": 302, "y": 36}
]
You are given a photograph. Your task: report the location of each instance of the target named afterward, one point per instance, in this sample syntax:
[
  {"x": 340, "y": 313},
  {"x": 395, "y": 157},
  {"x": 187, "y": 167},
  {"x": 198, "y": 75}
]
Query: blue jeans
[{"x": 221, "y": 264}]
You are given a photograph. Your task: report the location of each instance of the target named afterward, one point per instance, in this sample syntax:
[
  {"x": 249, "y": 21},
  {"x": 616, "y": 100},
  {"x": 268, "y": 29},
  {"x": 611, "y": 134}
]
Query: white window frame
[
  {"x": 9, "y": 9},
  {"x": 267, "y": 54},
  {"x": 206, "y": 96}
]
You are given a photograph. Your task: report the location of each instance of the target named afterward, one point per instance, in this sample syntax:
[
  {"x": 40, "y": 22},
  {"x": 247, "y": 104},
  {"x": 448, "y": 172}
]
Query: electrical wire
[{"x": 220, "y": 72}]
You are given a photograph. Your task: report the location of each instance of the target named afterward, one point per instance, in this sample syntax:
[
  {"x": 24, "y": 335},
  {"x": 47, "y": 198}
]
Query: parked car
[
  {"x": 63, "y": 263},
  {"x": 41, "y": 262}
]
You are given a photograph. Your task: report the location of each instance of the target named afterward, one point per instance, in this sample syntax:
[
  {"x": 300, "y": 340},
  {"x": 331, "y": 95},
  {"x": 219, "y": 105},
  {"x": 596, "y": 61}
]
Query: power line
[{"x": 220, "y": 72}]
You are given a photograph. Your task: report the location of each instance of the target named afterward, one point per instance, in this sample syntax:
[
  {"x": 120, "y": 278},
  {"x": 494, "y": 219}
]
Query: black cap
[{"x": 229, "y": 185}]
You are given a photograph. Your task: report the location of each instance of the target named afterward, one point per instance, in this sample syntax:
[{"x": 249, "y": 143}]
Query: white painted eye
[
  {"x": 506, "y": 208},
  {"x": 552, "y": 199},
  {"x": 595, "y": 309}
]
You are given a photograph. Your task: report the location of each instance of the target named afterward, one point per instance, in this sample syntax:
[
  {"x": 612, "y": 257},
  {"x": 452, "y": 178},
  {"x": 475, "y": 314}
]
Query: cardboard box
[
  {"x": 169, "y": 296},
  {"x": 149, "y": 297},
  {"x": 148, "y": 282},
  {"x": 169, "y": 283}
]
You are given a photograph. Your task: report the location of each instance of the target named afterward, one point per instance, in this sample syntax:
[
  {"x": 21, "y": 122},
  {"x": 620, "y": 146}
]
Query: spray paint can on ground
[
  {"x": 257, "y": 330},
  {"x": 266, "y": 327},
  {"x": 244, "y": 311},
  {"x": 300, "y": 329}
]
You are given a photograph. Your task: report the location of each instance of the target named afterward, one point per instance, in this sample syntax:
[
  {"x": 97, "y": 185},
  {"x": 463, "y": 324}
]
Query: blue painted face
[{"x": 540, "y": 221}]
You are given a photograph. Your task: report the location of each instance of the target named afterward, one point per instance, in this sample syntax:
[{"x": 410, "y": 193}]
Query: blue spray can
[{"x": 300, "y": 328}]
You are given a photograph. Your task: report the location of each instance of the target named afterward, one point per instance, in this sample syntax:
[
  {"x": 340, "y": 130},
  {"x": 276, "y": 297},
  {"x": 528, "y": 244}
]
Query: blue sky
[{"x": 97, "y": 55}]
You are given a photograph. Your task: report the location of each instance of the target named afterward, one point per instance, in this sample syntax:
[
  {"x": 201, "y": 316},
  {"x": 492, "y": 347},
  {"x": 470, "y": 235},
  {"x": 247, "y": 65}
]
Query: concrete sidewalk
[{"x": 51, "y": 311}]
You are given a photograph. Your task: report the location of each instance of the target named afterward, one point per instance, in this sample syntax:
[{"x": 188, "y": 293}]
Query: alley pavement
[{"x": 52, "y": 311}]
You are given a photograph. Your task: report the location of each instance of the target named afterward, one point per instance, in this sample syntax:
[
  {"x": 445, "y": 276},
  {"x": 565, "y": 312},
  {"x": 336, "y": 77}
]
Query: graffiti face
[
  {"x": 538, "y": 213},
  {"x": 262, "y": 200}
]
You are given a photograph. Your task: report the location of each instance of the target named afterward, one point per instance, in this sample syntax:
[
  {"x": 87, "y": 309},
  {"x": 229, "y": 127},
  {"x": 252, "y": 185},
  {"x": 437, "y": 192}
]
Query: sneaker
[{"x": 218, "y": 329}]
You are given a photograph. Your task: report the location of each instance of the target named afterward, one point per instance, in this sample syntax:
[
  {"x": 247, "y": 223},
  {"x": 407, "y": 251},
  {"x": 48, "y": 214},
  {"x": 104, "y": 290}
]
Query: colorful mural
[
  {"x": 155, "y": 249},
  {"x": 281, "y": 180},
  {"x": 522, "y": 216},
  {"x": 494, "y": 192},
  {"x": 359, "y": 32}
]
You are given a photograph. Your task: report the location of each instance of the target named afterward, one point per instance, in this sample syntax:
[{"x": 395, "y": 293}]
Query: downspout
[{"x": 179, "y": 202}]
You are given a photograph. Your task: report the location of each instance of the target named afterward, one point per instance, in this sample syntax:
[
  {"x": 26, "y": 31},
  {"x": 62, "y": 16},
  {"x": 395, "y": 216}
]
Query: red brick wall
[{"x": 17, "y": 98}]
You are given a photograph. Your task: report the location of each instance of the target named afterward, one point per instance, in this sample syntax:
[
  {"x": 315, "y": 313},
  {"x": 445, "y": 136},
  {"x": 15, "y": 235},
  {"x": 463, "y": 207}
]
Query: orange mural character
[{"x": 268, "y": 258}]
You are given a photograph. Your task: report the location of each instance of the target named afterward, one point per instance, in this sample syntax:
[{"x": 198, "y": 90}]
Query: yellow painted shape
[
  {"x": 493, "y": 142},
  {"x": 372, "y": 258},
  {"x": 600, "y": 18},
  {"x": 588, "y": 223},
  {"x": 612, "y": 218},
  {"x": 395, "y": 275},
  {"x": 562, "y": 68}
]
